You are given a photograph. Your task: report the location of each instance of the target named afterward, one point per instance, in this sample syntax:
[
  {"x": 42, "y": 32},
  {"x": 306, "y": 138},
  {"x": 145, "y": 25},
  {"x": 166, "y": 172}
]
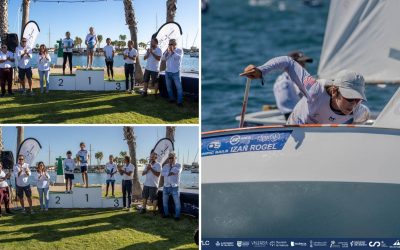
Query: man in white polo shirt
[
  {"x": 153, "y": 57},
  {"x": 127, "y": 180},
  {"x": 172, "y": 174},
  {"x": 6, "y": 69},
  {"x": 22, "y": 172},
  {"x": 173, "y": 57},
  {"x": 24, "y": 55},
  {"x": 130, "y": 57},
  {"x": 150, "y": 187}
]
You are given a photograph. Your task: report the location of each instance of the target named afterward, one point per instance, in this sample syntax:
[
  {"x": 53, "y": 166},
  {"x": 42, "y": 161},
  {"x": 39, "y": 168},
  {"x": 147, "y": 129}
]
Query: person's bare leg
[
  {"x": 30, "y": 84},
  {"x": 83, "y": 178},
  {"x": 87, "y": 180},
  {"x": 70, "y": 185}
]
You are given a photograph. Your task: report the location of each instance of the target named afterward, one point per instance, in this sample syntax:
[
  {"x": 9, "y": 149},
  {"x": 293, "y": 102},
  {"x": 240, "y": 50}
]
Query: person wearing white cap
[
  {"x": 286, "y": 92},
  {"x": 325, "y": 101}
]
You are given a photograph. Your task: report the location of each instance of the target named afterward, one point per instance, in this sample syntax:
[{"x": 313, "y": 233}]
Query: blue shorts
[
  {"x": 83, "y": 169},
  {"x": 110, "y": 181}
]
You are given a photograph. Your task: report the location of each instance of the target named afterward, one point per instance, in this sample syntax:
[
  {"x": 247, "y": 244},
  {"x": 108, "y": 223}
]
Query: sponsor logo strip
[{"x": 239, "y": 143}]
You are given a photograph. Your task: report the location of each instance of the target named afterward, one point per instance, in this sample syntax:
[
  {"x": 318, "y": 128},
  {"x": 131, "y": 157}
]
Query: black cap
[{"x": 299, "y": 56}]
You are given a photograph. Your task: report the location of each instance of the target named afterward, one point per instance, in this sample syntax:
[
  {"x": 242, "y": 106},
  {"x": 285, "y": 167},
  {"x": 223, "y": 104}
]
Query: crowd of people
[
  {"x": 22, "y": 58},
  {"x": 171, "y": 172}
]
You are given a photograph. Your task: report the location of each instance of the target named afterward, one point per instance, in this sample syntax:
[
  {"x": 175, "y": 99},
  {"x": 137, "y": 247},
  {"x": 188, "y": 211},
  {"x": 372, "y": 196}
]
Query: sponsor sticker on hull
[{"x": 240, "y": 143}]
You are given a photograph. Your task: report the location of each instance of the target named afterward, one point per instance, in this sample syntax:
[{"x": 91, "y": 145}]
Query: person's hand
[{"x": 252, "y": 72}]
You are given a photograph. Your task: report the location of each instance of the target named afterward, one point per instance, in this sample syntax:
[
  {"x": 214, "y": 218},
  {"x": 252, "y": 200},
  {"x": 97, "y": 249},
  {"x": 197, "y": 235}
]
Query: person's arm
[
  {"x": 361, "y": 114},
  {"x": 156, "y": 55},
  {"x": 154, "y": 171},
  {"x": 147, "y": 54},
  {"x": 48, "y": 57},
  {"x": 113, "y": 52},
  {"x": 177, "y": 54},
  {"x": 29, "y": 53},
  {"x": 11, "y": 58},
  {"x": 27, "y": 171},
  {"x": 175, "y": 170}
]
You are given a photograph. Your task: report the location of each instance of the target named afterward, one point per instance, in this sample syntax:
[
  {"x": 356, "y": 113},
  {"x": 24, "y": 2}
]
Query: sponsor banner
[
  {"x": 303, "y": 243},
  {"x": 240, "y": 143}
]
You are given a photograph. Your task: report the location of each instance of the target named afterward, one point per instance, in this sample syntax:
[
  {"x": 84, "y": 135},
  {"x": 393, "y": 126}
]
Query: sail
[
  {"x": 390, "y": 115},
  {"x": 362, "y": 35}
]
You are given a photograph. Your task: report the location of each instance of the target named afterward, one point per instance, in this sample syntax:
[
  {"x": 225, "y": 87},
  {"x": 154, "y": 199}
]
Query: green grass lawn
[
  {"x": 95, "y": 108},
  {"x": 95, "y": 229}
]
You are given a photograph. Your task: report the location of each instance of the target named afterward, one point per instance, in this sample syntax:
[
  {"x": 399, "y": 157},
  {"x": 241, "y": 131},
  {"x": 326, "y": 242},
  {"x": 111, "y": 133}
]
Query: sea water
[{"x": 236, "y": 33}]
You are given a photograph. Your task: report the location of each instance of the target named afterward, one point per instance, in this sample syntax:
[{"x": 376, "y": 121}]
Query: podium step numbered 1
[
  {"x": 85, "y": 80},
  {"x": 83, "y": 198}
]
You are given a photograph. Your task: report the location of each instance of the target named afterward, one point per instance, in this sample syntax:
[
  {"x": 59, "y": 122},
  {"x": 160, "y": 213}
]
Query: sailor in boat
[
  {"x": 325, "y": 101},
  {"x": 286, "y": 92}
]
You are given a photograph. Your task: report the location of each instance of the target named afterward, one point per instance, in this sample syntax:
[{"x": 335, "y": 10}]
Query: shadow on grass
[
  {"x": 61, "y": 224},
  {"x": 94, "y": 107}
]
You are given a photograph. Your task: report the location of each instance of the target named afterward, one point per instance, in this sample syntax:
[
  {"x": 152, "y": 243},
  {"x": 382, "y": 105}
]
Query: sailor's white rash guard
[{"x": 314, "y": 107}]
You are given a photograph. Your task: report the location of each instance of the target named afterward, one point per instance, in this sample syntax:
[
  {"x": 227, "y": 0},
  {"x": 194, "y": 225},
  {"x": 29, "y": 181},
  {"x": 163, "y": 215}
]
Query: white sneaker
[{"x": 46, "y": 210}]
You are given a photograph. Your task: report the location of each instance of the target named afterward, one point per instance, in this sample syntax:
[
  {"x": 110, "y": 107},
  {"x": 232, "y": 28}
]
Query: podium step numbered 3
[
  {"x": 83, "y": 198},
  {"x": 85, "y": 80}
]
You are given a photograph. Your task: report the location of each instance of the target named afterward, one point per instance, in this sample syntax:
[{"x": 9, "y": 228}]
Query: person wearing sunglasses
[
  {"x": 173, "y": 57},
  {"x": 24, "y": 55},
  {"x": 6, "y": 69},
  {"x": 172, "y": 174},
  {"x": 4, "y": 191},
  {"x": 22, "y": 172},
  {"x": 325, "y": 101}
]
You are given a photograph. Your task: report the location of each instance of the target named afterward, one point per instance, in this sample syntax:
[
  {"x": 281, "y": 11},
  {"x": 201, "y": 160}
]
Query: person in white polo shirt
[
  {"x": 43, "y": 62},
  {"x": 24, "y": 55},
  {"x": 109, "y": 52},
  {"x": 130, "y": 57},
  {"x": 22, "y": 172},
  {"x": 127, "y": 180},
  {"x": 43, "y": 183},
  {"x": 172, "y": 174},
  {"x": 6, "y": 70},
  {"x": 153, "y": 57},
  {"x": 4, "y": 191},
  {"x": 68, "y": 45},
  {"x": 150, "y": 186},
  {"x": 173, "y": 57},
  {"x": 111, "y": 170}
]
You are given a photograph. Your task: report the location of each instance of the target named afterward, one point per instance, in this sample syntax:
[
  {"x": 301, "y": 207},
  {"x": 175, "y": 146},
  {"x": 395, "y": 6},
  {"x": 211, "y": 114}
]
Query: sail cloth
[
  {"x": 162, "y": 148},
  {"x": 167, "y": 31},
  {"x": 390, "y": 115},
  {"x": 362, "y": 35},
  {"x": 29, "y": 148},
  {"x": 31, "y": 32}
]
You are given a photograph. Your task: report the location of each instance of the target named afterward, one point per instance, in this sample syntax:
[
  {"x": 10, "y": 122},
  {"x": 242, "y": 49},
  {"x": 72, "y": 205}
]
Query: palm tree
[
  {"x": 131, "y": 22},
  {"x": 130, "y": 138},
  {"x": 99, "y": 39},
  {"x": 3, "y": 19},
  {"x": 122, "y": 37},
  {"x": 99, "y": 157},
  {"x": 123, "y": 154},
  {"x": 143, "y": 45},
  {"x": 171, "y": 10},
  {"x": 25, "y": 13}
]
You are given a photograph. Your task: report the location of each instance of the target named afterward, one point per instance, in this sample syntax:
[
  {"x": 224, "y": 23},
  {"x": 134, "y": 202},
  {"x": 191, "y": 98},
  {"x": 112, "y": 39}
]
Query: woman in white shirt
[
  {"x": 127, "y": 180},
  {"x": 43, "y": 62},
  {"x": 43, "y": 181},
  {"x": 4, "y": 191}
]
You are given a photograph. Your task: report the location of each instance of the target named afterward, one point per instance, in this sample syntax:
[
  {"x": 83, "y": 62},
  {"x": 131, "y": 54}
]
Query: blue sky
[
  {"x": 108, "y": 19},
  {"x": 107, "y": 139}
]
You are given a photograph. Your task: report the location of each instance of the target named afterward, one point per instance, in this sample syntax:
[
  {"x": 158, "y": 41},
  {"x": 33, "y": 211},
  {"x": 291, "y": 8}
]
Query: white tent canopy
[{"x": 364, "y": 36}]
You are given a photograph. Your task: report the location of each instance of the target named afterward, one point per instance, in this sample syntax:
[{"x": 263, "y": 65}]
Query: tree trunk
[
  {"x": 25, "y": 15},
  {"x": 170, "y": 134},
  {"x": 20, "y": 137},
  {"x": 132, "y": 24},
  {"x": 1, "y": 140},
  {"x": 171, "y": 10},
  {"x": 129, "y": 136},
  {"x": 3, "y": 19}
]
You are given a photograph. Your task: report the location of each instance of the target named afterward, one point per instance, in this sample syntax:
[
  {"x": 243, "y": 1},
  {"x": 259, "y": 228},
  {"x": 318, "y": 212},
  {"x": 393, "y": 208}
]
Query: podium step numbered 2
[
  {"x": 83, "y": 198},
  {"x": 85, "y": 80}
]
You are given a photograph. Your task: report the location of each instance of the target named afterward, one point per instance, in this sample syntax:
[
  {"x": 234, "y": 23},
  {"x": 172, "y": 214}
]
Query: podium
[
  {"x": 85, "y": 80},
  {"x": 82, "y": 197}
]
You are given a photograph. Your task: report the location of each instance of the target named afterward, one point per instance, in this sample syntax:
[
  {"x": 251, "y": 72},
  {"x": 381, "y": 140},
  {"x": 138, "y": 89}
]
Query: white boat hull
[{"x": 311, "y": 181}]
